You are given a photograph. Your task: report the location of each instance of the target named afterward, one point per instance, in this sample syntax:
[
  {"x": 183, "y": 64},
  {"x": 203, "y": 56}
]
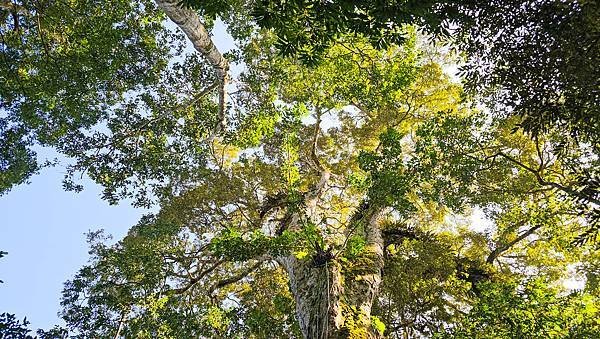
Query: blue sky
[{"x": 43, "y": 228}]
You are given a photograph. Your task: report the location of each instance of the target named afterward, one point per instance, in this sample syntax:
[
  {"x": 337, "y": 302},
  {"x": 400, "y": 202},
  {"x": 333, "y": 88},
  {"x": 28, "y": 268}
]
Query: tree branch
[
  {"x": 235, "y": 278},
  {"x": 503, "y": 248},
  {"x": 556, "y": 185},
  {"x": 193, "y": 281},
  {"x": 189, "y": 22},
  {"x": 315, "y": 139}
]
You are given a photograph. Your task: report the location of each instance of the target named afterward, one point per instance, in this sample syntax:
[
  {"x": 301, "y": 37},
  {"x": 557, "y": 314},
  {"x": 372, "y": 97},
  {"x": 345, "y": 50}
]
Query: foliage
[
  {"x": 105, "y": 91},
  {"x": 420, "y": 287},
  {"x": 533, "y": 59},
  {"x": 358, "y": 161},
  {"x": 10, "y": 327},
  {"x": 530, "y": 49},
  {"x": 307, "y": 28},
  {"x": 17, "y": 163},
  {"x": 533, "y": 311}
]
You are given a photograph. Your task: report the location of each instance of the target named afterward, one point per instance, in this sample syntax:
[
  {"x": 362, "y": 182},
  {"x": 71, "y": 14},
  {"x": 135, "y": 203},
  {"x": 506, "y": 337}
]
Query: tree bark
[
  {"x": 189, "y": 22},
  {"x": 333, "y": 300}
]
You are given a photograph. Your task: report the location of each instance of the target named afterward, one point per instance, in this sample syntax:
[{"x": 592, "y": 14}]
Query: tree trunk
[{"x": 334, "y": 299}]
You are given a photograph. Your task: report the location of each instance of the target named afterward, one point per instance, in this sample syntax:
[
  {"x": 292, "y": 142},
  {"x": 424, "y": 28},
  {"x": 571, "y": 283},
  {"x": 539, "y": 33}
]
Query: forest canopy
[{"x": 331, "y": 176}]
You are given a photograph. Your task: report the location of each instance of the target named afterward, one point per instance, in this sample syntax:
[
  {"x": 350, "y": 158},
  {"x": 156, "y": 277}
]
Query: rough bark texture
[
  {"x": 333, "y": 301},
  {"x": 317, "y": 291},
  {"x": 189, "y": 22}
]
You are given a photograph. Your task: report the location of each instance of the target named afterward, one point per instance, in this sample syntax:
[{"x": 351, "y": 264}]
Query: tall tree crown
[{"x": 343, "y": 185}]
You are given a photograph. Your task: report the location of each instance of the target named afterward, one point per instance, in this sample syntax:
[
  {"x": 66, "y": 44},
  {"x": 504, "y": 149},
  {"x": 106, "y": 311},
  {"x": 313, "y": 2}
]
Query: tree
[
  {"x": 329, "y": 200},
  {"x": 536, "y": 311},
  {"x": 533, "y": 59},
  {"x": 98, "y": 90},
  {"x": 10, "y": 327}
]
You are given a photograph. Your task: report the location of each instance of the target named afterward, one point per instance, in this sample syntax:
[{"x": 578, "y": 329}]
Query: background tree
[{"x": 13, "y": 328}]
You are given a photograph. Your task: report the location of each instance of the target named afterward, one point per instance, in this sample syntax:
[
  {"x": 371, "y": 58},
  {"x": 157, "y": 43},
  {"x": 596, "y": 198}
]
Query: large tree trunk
[{"x": 334, "y": 300}]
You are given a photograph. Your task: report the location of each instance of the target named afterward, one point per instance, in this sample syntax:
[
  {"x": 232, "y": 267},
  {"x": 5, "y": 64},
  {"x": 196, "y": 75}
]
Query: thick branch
[
  {"x": 314, "y": 194},
  {"x": 543, "y": 182},
  {"x": 315, "y": 139},
  {"x": 197, "y": 278},
  {"x": 235, "y": 278},
  {"x": 189, "y": 22},
  {"x": 503, "y": 248},
  {"x": 221, "y": 283},
  {"x": 374, "y": 236},
  {"x": 122, "y": 322}
]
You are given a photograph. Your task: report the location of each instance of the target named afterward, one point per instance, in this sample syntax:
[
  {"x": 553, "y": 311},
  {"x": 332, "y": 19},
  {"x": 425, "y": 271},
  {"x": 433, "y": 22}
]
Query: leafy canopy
[{"x": 111, "y": 86}]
